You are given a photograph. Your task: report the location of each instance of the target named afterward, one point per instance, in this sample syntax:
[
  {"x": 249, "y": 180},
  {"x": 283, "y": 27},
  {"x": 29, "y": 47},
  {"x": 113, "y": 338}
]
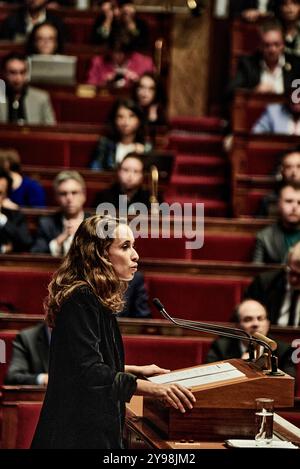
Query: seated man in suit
[
  {"x": 269, "y": 70},
  {"x": 19, "y": 24},
  {"x": 14, "y": 234},
  {"x": 251, "y": 316},
  {"x": 29, "y": 362},
  {"x": 24, "y": 104},
  {"x": 136, "y": 299},
  {"x": 251, "y": 10},
  {"x": 55, "y": 232},
  {"x": 274, "y": 241},
  {"x": 288, "y": 171},
  {"x": 280, "y": 118},
  {"x": 279, "y": 291}
]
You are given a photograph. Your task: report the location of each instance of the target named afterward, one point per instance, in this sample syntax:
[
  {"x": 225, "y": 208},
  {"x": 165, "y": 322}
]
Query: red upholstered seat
[
  {"x": 212, "y": 207},
  {"x": 225, "y": 247},
  {"x": 198, "y": 298},
  {"x": 173, "y": 248},
  {"x": 7, "y": 337},
  {"x": 167, "y": 352},
  {"x": 199, "y": 165},
  {"x": 24, "y": 289},
  {"x": 196, "y": 143},
  {"x": 196, "y": 124},
  {"x": 27, "y": 418}
]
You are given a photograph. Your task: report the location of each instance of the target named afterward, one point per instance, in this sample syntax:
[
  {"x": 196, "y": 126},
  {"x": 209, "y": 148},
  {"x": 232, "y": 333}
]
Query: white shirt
[
  {"x": 30, "y": 24},
  {"x": 284, "y": 315},
  {"x": 262, "y": 5},
  {"x": 122, "y": 150},
  {"x": 56, "y": 249},
  {"x": 274, "y": 77},
  {"x": 293, "y": 126}
]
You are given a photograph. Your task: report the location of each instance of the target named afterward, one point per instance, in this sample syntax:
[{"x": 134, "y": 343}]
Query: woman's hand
[
  {"x": 174, "y": 394},
  {"x": 145, "y": 370}
]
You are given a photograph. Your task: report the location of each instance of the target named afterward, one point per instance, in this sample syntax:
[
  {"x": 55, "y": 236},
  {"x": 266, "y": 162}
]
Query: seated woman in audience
[
  {"x": 126, "y": 135},
  {"x": 25, "y": 192},
  {"x": 120, "y": 66},
  {"x": 288, "y": 11},
  {"x": 149, "y": 95},
  {"x": 104, "y": 24},
  {"x": 45, "y": 38}
]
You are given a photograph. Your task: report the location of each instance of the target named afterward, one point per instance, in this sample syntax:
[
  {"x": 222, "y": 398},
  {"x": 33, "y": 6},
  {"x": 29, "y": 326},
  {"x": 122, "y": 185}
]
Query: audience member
[
  {"x": 288, "y": 11},
  {"x": 17, "y": 26},
  {"x": 251, "y": 10},
  {"x": 45, "y": 39},
  {"x": 149, "y": 95},
  {"x": 274, "y": 241},
  {"x": 130, "y": 183},
  {"x": 126, "y": 135},
  {"x": 269, "y": 70},
  {"x": 24, "y": 104},
  {"x": 55, "y": 232},
  {"x": 120, "y": 66},
  {"x": 135, "y": 27},
  {"x": 14, "y": 234},
  {"x": 25, "y": 192},
  {"x": 250, "y": 316},
  {"x": 280, "y": 118},
  {"x": 30, "y": 355},
  {"x": 104, "y": 24},
  {"x": 289, "y": 171},
  {"x": 279, "y": 291}
]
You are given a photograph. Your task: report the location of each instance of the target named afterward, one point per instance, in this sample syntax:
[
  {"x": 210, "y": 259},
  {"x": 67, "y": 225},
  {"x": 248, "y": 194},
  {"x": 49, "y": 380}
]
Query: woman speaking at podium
[{"x": 88, "y": 386}]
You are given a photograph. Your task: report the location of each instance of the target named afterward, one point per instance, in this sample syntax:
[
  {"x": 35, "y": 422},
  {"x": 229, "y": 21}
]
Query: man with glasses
[{"x": 279, "y": 291}]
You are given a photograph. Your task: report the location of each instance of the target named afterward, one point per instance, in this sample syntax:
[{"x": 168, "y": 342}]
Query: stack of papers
[{"x": 253, "y": 444}]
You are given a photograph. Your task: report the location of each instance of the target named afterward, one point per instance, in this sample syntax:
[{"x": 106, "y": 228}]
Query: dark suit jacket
[
  {"x": 15, "y": 231},
  {"x": 270, "y": 247},
  {"x": 15, "y": 24},
  {"x": 84, "y": 406},
  {"x": 136, "y": 297},
  {"x": 30, "y": 356},
  {"x": 249, "y": 71},
  {"x": 49, "y": 228},
  {"x": 226, "y": 348},
  {"x": 236, "y": 7},
  {"x": 269, "y": 288}
]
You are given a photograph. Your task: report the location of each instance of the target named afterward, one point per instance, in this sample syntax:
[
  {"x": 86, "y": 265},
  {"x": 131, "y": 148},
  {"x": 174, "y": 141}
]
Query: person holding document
[{"x": 88, "y": 385}]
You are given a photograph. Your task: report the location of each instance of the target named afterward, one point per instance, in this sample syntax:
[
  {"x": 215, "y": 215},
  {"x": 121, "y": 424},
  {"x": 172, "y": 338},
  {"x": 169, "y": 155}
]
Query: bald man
[
  {"x": 251, "y": 316},
  {"x": 279, "y": 291}
]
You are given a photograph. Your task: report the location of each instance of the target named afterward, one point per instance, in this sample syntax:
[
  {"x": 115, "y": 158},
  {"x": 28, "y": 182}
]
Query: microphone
[{"x": 226, "y": 331}]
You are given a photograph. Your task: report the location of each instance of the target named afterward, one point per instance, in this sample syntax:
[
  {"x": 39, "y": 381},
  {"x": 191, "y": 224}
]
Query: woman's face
[
  {"x": 146, "y": 91},
  {"x": 290, "y": 10},
  {"x": 122, "y": 254},
  {"x": 126, "y": 122},
  {"x": 46, "y": 40}
]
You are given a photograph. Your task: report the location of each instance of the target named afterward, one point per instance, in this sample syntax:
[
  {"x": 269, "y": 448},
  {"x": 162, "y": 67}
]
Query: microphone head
[{"x": 158, "y": 304}]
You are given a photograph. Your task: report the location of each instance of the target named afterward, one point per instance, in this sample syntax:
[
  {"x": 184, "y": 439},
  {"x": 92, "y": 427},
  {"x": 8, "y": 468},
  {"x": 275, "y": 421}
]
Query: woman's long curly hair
[{"x": 87, "y": 264}]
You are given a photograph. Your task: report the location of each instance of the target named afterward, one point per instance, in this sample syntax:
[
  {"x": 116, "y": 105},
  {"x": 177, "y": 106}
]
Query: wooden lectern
[{"x": 224, "y": 408}]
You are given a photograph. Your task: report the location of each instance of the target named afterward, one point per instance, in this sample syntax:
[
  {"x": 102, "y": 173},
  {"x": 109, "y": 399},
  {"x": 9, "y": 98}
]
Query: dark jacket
[
  {"x": 15, "y": 231},
  {"x": 136, "y": 298},
  {"x": 271, "y": 246},
  {"x": 30, "y": 356},
  {"x": 84, "y": 406},
  {"x": 15, "y": 25},
  {"x": 112, "y": 194},
  {"x": 249, "y": 71},
  {"x": 225, "y": 348},
  {"x": 49, "y": 228},
  {"x": 269, "y": 288}
]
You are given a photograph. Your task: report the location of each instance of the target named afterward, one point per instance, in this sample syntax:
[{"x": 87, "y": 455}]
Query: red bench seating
[
  {"x": 167, "y": 352},
  {"x": 202, "y": 298},
  {"x": 25, "y": 289},
  {"x": 71, "y": 108},
  {"x": 7, "y": 336}
]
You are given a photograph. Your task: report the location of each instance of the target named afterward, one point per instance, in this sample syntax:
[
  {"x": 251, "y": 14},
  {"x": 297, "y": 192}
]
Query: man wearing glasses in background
[{"x": 279, "y": 291}]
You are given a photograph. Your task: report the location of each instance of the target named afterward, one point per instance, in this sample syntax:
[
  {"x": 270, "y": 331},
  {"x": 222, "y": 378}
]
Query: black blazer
[
  {"x": 269, "y": 288},
  {"x": 270, "y": 245},
  {"x": 15, "y": 231},
  {"x": 49, "y": 228},
  {"x": 84, "y": 406},
  {"x": 236, "y": 7},
  {"x": 30, "y": 356},
  {"x": 249, "y": 71},
  {"x": 226, "y": 348},
  {"x": 15, "y": 24}
]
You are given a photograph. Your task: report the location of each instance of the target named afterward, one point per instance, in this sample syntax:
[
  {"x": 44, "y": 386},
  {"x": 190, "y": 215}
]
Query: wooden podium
[{"x": 223, "y": 409}]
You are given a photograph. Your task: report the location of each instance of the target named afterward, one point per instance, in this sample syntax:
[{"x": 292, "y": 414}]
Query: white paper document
[
  {"x": 200, "y": 375},
  {"x": 253, "y": 444}
]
